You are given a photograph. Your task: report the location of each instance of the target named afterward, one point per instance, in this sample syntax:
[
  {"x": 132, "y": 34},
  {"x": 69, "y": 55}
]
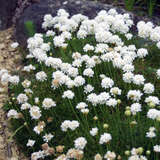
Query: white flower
[
  {"x": 152, "y": 99},
  {"x": 73, "y": 72},
  {"x": 68, "y": 94},
  {"x": 29, "y": 68},
  {"x": 35, "y": 112},
  {"x": 115, "y": 91},
  {"x": 101, "y": 48},
  {"x": 69, "y": 124},
  {"x": 80, "y": 143},
  {"x": 41, "y": 76},
  {"x": 137, "y": 157},
  {"x": 134, "y": 95},
  {"x": 88, "y": 72},
  {"x": 128, "y": 77},
  {"x": 93, "y": 98},
  {"x": 110, "y": 155},
  {"x": 153, "y": 114},
  {"x": 30, "y": 143},
  {"x": 148, "y": 88},
  {"x": 28, "y": 91},
  {"x": 85, "y": 111},
  {"x": 48, "y": 103},
  {"x": 111, "y": 102},
  {"x": 105, "y": 138},
  {"x": 47, "y": 137},
  {"x": 103, "y": 97},
  {"x": 50, "y": 33},
  {"x": 88, "y": 88},
  {"x": 88, "y": 47},
  {"x": 73, "y": 125},
  {"x": 79, "y": 81},
  {"x": 158, "y": 45},
  {"x": 135, "y": 107},
  {"x": 138, "y": 79},
  {"x": 25, "y": 106},
  {"x": 128, "y": 68},
  {"x": 129, "y": 36},
  {"x": 93, "y": 131},
  {"x": 22, "y": 98},
  {"x": 156, "y": 148},
  {"x": 81, "y": 105},
  {"x": 5, "y": 78},
  {"x": 158, "y": 73},
  {"x": 26, "y": 83},
  {"x": 45, "y": 47},
  {"x": 15, "y": 45},
  {"x": 2, "y": 71},
  {"x": 53, "y": 62},
  {"x": 13, "y": 114},
  {"x": 14, "y": 79},
  {"x": 107, "y": 83},
  {"x": 151, "y": 133},
  {"x": 142, "y": 52},
  {"x": 38, "y": 155}
]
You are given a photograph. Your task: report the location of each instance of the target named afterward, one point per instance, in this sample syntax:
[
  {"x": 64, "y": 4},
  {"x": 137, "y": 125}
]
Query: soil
[{"x": 10, "y": 59}]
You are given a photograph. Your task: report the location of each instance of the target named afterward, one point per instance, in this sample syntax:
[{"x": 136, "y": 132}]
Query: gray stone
[{"x": 7, "y": 9}]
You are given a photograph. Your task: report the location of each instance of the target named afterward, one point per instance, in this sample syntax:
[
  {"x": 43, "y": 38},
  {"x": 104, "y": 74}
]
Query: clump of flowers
[{"x": 89, "y": 90}]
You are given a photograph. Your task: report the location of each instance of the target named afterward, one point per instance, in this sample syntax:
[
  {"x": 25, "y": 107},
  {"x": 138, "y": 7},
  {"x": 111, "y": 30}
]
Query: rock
[
  {"x": 7, "y": 9},
  {"x": 36, "y": 12}
]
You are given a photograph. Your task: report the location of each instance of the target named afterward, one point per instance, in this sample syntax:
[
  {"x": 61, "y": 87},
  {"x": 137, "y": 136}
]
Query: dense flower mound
[{"x": 90, "y": 90}]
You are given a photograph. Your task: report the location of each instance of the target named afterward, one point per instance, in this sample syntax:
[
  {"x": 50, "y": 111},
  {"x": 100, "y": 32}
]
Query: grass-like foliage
[{"x": 90, "y": 90}]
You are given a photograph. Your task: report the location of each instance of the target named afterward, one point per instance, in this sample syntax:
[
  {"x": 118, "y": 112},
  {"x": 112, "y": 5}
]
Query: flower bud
[
  {"x": 127, "y": 153},
  {"x": 128, "y": 108},
  {"x": 95, "y": 118},
  {"x": 140, "y": 150},
  {"x": 148, "y": 152},
  {"x": 59, "y": 149},
  {"x": 152, "y": 105},
  {"x": 133, "y": 123},
  {"x": 127, "y": 113},
  {"x": 105, "y": 126},
  {"x": 118, "y": 101},
  {"x": 45, "y": 146},
  {"x": 98, "y": 157}
]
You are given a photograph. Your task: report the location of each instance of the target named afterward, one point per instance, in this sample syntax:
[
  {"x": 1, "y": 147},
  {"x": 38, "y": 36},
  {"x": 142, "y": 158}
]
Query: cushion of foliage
[{"x": 90, "y": 90}]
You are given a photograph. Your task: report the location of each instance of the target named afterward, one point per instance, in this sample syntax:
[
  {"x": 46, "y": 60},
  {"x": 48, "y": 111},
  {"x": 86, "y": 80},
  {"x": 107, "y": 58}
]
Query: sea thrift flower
[
  {"x": 35, "y": 112},
  {"x": 30, "y": 143},
  {"x": 93, "y": 131},
  {"x": 135, "y": 107},
  {"x": 48, "y": 103},
  {"x": 156, "y": 148},
  {"x": 68, "y": 94},
  {"x": 22, "y": 98},
  {"x": 88, "y": 88},
  {"x": 105, "y": 138},
  {"x": 148, "y": 88},
  {"x": 13, "y": 114},
  {"x": 41, "y": 76},
  {"x": 107, "y": 83},
  {"x": 47, "y": 137},
  {"x": 80, "y": 143},
  {"x": 15, "y": 45}
]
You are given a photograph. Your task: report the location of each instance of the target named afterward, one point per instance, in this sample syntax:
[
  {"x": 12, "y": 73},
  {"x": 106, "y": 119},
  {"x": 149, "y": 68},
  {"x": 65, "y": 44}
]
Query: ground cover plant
[{"x": 89, "y": 90}]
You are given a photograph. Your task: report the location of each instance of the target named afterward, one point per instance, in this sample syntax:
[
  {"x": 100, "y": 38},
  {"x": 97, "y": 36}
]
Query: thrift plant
[{"x": 90, "y": 90}]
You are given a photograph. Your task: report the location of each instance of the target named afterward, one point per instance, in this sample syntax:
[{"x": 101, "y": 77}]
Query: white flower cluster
[{"x": 67, "y": 124}]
